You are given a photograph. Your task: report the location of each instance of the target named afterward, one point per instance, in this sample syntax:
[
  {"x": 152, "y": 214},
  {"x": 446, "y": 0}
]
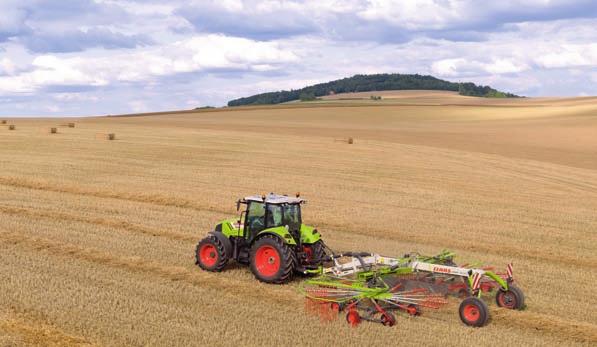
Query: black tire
[
  {"x": 474, "y": 312},
  {"x": 210, "y": 254},
  {"x": 513, "y": 298},
  {"x": 317, "y": 252},
  {"x": 280, "y": 253}
]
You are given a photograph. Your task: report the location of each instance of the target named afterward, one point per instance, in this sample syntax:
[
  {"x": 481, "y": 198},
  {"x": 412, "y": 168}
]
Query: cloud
[
  {"x": 460, "y": 67},
  {"x": 79, "y": 40},
  {"x": 75, "y": 97},
  {"x": 253, "y": 19},
  {"x": 568, "y": 56},
  {"x": 7, "y": 67},
  {"x": 199, "y": 53},
  {"x": 432, "y": 15},
  {"x": 12, "y": 20}
]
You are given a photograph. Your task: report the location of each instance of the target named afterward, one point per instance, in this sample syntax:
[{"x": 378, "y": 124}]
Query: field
[{"x": 97, "y": 236}]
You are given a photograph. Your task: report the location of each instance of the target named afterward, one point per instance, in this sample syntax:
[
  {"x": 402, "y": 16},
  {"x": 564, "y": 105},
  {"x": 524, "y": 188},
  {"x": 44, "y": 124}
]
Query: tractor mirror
[{"x": 237, "y": 205}]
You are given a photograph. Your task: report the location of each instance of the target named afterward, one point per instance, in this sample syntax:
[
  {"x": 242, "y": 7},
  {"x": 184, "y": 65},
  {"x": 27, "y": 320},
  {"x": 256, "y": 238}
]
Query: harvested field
[{"x": 97, "y": 237}]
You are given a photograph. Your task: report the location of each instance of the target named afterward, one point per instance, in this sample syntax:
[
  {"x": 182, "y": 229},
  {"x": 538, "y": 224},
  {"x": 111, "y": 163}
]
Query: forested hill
[{"x": 368, "y": 83}]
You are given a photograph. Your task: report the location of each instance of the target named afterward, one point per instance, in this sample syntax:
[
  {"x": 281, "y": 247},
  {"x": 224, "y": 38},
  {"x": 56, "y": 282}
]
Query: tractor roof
[{"x": 272, "y": 198}]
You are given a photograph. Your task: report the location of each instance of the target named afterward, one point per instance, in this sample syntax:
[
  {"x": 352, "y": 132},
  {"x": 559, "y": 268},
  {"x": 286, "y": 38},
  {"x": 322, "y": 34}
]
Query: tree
[{"x": 307, "y": 96}]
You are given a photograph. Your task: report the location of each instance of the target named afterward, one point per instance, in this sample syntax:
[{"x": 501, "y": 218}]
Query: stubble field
[{"x": 97, "y": 237}]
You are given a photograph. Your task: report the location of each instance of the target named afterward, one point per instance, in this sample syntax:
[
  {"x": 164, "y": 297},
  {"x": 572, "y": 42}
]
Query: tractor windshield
[
  {"x": 292, "y": 216},
  {"x": 284, "y": 214}
]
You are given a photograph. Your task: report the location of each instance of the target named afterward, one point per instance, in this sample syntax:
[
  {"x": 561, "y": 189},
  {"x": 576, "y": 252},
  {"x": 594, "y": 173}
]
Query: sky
[{"x": 97, "y": 57}]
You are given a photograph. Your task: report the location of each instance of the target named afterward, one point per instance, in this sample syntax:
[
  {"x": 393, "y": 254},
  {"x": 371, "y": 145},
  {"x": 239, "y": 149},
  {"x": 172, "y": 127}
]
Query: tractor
[{"x": 269, "y": 236}]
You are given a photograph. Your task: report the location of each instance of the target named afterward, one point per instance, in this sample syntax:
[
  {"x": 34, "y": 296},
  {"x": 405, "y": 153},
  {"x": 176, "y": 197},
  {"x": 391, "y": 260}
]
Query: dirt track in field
[{"x": 97, "y": 236}]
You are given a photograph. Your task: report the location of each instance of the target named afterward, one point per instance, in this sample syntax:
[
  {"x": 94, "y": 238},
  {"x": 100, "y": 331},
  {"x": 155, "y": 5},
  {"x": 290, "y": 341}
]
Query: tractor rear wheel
[
  {"x": 314, "y": 252},
  {"x": 474, "y": 312},
  {"x": 210, "y": 254},
  {"x": 272, "y": 260},
  {"x": 513, "y": 298}
]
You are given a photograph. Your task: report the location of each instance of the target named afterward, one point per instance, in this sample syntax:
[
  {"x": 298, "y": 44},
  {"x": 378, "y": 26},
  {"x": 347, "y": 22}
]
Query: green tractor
[{"x": 269, "y": 236}]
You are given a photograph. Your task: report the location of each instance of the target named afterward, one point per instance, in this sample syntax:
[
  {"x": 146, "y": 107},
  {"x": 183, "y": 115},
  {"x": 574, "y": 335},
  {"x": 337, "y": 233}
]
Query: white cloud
[
  {"x": 460, "y": 67},
  {"x": 504, "y": 66},
  {"x": 53, "y": 108},
  {"x": 7, "y": 67},
  {"x": 415, "y": 15},
  {"x": 449, "y": 67},
  {"x": 568, "y": 56},
  {"x": 206, "y": 52},
  {"x": 458, "y": 14},
  {"x": 75, "y": 97},
  {"x": 138, "y": 106}
]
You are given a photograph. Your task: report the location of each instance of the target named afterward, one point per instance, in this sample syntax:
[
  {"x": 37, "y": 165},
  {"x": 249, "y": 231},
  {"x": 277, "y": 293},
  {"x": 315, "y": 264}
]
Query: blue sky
[{"x": 94, "y": 57}]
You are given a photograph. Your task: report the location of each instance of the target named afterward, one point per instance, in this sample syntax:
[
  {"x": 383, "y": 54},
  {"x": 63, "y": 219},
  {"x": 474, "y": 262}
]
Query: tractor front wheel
[
  {"x": 272, "y": 261},
  {"x": 210, "y": 254},
  {"x": 474, "y": 312},
  {"x": 513, "y": 298}
]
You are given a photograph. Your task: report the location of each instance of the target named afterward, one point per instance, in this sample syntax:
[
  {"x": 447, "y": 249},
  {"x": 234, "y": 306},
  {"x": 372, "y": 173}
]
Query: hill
[{"x": 367, "y": 83}]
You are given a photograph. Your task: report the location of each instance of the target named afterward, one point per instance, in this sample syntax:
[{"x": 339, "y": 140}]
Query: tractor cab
[{"x": 271, "y": 211}]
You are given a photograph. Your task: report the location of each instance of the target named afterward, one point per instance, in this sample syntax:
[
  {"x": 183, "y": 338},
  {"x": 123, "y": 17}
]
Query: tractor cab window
[
  {"x": 283, "y": 214},
  {"x": 255, "y": 217},
  {"x": 274, "y": 215},
  {"x": 292, "y": 216}
]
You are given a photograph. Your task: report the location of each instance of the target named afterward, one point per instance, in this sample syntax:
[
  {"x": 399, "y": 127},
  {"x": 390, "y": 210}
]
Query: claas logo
[{"x": 441, "y": 269}]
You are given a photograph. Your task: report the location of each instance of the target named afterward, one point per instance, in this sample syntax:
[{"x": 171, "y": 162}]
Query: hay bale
[
  {"x": 350, "y": 141},
  {"x": 3, "y": 121},
  {"x": 71, "y": 125},
  {"x": 11, "y": 127},
  {"x": 111, "y": 137},
  {"x": 53, "y": 130}
]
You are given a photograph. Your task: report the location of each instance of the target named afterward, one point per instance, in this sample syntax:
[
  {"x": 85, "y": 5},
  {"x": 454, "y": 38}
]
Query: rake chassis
[{"x": 366, "y": 285}]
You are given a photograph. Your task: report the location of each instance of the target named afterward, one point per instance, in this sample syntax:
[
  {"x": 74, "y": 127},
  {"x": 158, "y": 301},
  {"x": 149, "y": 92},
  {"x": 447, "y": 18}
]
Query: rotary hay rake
[{"x": 372, "y": 287}]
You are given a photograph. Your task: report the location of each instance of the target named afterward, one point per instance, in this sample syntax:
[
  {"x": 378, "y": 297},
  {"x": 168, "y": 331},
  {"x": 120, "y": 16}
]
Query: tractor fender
[
  {"x": 309, "y": 234},
  {"x": 280, "y": 232},
  {"x": 224, "y": 240}
]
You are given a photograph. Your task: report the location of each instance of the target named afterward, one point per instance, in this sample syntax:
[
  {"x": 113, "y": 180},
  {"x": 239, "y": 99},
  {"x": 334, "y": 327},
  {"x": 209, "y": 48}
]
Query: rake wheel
[
  {"x": 513, "y": 298},
  {"x": 474, "y": 312},
  {"x": 353, "y": 318}
]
